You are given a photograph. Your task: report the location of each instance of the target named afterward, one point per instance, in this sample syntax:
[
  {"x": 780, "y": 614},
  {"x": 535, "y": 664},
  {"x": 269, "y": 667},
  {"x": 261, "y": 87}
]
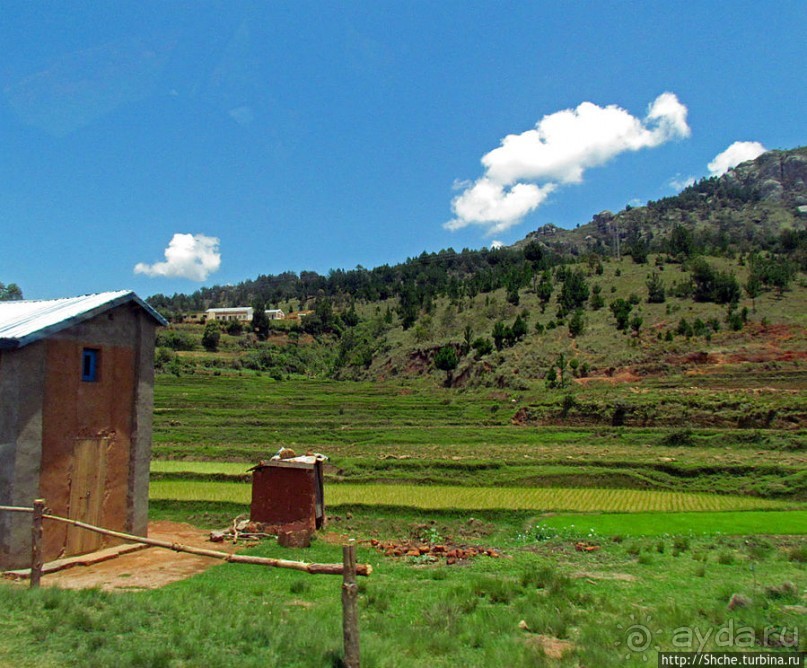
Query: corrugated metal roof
[
  {"x": 229, "y": 309},
  {"x": 23, "y": 322}
]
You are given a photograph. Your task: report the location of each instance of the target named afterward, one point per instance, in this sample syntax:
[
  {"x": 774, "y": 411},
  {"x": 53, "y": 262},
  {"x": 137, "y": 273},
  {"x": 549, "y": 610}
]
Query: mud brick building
[{"x": 76, "y": 400}]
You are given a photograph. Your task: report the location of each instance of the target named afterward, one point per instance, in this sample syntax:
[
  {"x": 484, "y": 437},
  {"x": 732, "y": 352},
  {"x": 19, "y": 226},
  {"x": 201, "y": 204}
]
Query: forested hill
[
  {"x": 747, "y": 208},
  {"x": 760, "y": 206}
]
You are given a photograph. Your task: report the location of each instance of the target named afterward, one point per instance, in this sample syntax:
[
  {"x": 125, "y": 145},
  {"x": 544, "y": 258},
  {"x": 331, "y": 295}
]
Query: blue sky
[{"x": 259, "y": 137}]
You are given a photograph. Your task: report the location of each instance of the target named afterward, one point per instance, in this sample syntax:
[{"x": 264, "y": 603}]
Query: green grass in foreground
[
  {"x": 479, "y": 498},
  {"x": 773, "y": 522},
  {"x": 488, "y": 612}
]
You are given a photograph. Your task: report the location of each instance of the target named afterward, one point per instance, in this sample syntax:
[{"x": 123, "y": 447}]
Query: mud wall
[
  {"x": 109, "y": 409},
  {"x": 46, "y": 407},
  {"x": 22, "y": 374},
  {"x": 284, "y": 497}
]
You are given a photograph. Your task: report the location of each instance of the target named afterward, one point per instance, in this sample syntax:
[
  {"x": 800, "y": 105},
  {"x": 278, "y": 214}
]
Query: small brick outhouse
[
  {"x": 76, "y": 400},
  {"x": 288, "y": 494}
]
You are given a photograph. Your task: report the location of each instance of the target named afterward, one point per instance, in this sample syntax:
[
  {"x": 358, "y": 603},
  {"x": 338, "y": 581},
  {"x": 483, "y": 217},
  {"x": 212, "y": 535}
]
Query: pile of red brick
[{"x": 432, "y": 552}]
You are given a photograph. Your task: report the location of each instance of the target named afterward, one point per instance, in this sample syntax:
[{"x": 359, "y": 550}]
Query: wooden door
[{"x": 87, "y": 482}]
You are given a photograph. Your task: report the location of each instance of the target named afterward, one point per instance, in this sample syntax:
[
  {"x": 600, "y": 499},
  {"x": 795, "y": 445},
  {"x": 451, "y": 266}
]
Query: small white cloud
[
  {"x": 738, "y": 152},
  {"x": 496, "y": 244},
  {"x": 191, "y": 256},
  {"x": 495, "y": 206},
  {"x": 678, "y": 182},
  {"x": 556, "y": 152}
]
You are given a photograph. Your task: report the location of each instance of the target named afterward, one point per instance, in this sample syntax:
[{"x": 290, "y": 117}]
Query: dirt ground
[{"x": 149, "y": 568}]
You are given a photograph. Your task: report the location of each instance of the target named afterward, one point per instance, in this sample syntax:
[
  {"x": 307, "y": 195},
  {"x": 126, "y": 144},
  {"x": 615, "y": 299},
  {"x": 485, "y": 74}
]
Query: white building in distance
[{"x": 241, "y": 314}]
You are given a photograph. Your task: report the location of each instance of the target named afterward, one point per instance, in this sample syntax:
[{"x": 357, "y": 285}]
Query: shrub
[
  {"x": 621, "y": 309},
  {"x": 681, "y": 543},
  {"x": 684, "y": 328},
  {"x": 596, "y": 301},
  {"x": 568, "y": 404},
  {"x": 711, "y": 285},
  {"x": 482, "y": 346},
  {"x": 656, "y": 293},
  {"x": 798, "y": 554},
  {"x": 163, "y": 357},
  {"x": 176, "y": 340},
  {"x": 679, "y": 437},
  {"x": 551, "y": 378},
  {"x": 211, "y": 336},
  {"x": 734, "y": 319},
  {"x": 575, "y": 291},
  {"x": 519, "y": 328},
  {"x": 577, "y": 324},
  {"x": 726, "y": 558},
  {"x": 234, "y": 328}
]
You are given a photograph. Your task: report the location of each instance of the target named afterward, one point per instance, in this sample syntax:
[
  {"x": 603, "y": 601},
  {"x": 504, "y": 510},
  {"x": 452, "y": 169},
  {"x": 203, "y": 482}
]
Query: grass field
[
  {"x": 218, "y": 426},
  {"x": 749, "y": 523},
  {"x": 434, "y": 497},
  {"x": 678, "y": 519},
  {"x": 487, "y": 612}
]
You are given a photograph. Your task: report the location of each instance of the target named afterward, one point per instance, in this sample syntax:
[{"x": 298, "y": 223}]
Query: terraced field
[{"x": 437, "y": 497}]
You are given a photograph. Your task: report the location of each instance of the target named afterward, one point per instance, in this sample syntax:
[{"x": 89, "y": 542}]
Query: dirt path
[{"x": 145, "y": 569}]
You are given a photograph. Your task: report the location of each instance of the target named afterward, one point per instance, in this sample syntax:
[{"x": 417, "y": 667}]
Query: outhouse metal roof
[{"x": 26, "y": 321}]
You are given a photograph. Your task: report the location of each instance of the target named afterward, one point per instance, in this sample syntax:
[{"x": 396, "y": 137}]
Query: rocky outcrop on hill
[
  {"x": 746, "y": 207},
  {"x": 778, "y": 176}
]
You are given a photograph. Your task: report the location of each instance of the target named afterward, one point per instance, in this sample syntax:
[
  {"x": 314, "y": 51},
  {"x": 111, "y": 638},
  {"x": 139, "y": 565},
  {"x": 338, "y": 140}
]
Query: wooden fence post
[
  {"x": 350, "y": 610},
  {"x": 37, "y": 559}
]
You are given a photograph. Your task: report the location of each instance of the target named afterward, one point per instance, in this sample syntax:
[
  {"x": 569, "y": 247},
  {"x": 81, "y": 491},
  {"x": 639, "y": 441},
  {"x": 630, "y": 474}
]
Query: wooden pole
[
  {"x": 350, "y": 610},
  {"x": 313, "y": 569},
  {"x": 37, "y": 558}
]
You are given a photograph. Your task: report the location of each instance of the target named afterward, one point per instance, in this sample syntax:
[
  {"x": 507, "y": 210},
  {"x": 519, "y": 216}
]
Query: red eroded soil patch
[
  {"x": 626, "y": 375},
  {"x": 759, "y": 356},
  {"x": 146, "y": 569},
  {"x": 432, "y": 552}
]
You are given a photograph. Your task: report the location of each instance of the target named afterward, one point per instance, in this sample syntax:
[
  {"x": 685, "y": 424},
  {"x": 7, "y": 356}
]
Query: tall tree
[
  {"x": 575, "y": 291},
  {"x": 211, "y": 336},
  {"x": 656, "y": 294},
  {"x": 10, "y": 292},
  {"x": 446, "y": 360},
  {"x": 260, "y": 321}
]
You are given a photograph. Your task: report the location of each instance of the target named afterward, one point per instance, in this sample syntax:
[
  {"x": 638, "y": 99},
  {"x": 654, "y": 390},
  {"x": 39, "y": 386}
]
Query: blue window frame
[{"x": 89, "y": 365}]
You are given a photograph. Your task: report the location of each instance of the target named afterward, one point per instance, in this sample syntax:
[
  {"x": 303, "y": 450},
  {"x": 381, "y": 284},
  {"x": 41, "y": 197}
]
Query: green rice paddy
[{"x": 443, "y": 497}]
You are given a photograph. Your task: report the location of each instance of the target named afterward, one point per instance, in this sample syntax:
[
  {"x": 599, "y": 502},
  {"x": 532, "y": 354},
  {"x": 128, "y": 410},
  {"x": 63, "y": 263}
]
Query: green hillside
[{"x": 699, "y": 319}]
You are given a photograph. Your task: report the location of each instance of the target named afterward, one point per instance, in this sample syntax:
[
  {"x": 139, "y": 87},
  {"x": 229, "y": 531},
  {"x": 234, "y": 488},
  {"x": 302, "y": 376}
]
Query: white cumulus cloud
[
  {"x": 522, "y": 172},
  {"x": 496, "y": 206},
  {"x": 191, "y": 256},
  {"x": 496, "y": 244},
  {"x": 678, "y": 182},
  {"x": 738, "y": 152}
]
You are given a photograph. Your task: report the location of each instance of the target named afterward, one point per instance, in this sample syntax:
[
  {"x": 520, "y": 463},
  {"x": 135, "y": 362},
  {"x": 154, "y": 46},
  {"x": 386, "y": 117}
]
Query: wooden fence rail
[{"x": 348, "y": 569}]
